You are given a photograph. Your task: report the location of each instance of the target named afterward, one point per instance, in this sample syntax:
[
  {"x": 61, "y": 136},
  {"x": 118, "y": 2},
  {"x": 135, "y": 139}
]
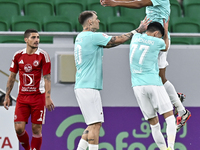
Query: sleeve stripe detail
[
  {"x": 47, "y": 59},
  {"x": 18, "y": 52}
]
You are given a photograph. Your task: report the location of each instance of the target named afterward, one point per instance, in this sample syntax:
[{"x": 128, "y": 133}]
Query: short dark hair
[
  {"x": 156, "y": 26},
  {"x": 28, "y": 32},
  {"x": 85, "y": 15}
]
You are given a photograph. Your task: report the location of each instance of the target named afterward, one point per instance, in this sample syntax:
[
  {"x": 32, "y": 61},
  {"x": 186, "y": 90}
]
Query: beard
[{"x": 33, "y": 47}]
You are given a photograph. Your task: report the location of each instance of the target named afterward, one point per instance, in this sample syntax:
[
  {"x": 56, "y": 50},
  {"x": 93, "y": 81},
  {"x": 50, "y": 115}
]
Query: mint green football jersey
[
  {"x": 88, "y": 53},
  {"x": 159, "y": 11},
  {"x": 143, "y": 59}
]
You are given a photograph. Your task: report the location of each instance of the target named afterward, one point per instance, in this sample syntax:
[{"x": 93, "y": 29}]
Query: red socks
[
  {"x": 24, "y": 140},
  {"x": 36, "y": 142}
]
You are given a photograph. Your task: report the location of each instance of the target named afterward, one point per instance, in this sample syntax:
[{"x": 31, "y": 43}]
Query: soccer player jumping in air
[{"x": 157, "y": 10}]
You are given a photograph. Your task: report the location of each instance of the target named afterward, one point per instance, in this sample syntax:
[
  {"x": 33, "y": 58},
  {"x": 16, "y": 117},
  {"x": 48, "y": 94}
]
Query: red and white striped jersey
[{"x": 32, "y": 68}]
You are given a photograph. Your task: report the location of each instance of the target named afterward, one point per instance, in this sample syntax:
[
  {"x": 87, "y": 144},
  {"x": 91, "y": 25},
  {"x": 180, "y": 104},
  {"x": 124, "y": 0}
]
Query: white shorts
[
  {"x": 89, "y": 101},
  {"x": 162, "y": 58},
  {"x": 152, "y": 99}
]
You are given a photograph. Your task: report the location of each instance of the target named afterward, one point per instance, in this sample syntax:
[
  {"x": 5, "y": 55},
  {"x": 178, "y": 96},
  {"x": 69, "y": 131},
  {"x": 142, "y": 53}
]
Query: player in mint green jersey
[
  {"x": 88, "y": 52},
  {"x": 157, "y": 10},
  {"x": 147, "y": 85}
]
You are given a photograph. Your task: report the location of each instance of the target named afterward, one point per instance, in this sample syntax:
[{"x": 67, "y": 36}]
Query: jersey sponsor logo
[
  {"x": 36, "y": 63},
  {"x": 105, "y": 35},
  {"x": 21, "y": 62},
  {"x": 28, "y": 68},
  {"x": 28, "y": 79}
]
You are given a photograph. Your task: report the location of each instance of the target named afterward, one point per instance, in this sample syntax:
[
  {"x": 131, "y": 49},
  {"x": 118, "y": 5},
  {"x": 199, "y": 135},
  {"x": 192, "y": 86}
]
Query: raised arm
[
  {"x": 117, "y": 40},
  {"x": 10, "y": 84},
  {"x": 165, "y": 38},
  {"x": 127, "y": 3},
  {"x": 49, "y": 102}
]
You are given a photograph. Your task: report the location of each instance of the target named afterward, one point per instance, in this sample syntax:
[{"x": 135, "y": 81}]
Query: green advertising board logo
[{"x": 119, "y": 144}]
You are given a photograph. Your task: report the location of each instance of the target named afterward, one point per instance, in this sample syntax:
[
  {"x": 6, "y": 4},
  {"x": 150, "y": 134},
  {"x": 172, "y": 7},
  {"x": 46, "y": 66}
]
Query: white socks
[
  {"x": 93, "y": 147},
  {"x": 83, "y": 144},
  {"x": 158, "y": 136},
  {"x": 171, "y": 131},
  {"x": 174, "y": 98}
]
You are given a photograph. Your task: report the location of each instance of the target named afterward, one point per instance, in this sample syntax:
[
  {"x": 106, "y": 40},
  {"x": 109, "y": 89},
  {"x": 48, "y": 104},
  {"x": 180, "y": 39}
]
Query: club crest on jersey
[
  {"x": 105, "y": 35},
  {"x": 36, "y": 63},
  {"x": 28, "y": 68}
]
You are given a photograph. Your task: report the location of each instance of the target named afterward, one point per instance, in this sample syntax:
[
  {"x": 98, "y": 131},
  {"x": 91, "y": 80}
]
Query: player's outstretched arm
[
  {"x": 10, "y": 84},
  {"x": 49, "y": 103},
  {"x": 165, "y": 38},
  {"x": 127, "y": 3},
  {"x": 117, "y": 40}
]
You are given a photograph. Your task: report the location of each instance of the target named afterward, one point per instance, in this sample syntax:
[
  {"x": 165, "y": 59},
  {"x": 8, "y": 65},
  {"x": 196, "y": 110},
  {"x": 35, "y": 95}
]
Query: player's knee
[
  {"x": 19, "y": 129},
  {"x": 36, "y": 129},
  {"x": 95, "y": 126}
]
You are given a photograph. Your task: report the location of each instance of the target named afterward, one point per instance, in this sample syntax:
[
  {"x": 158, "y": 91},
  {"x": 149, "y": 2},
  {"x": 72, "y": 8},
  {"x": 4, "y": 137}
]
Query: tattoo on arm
[
  {"x": 117, "y": 40},
  {"x": 10, "y": 83},
  {"x": 48, "y": 77},
  {"x": 113, "y": 39}
]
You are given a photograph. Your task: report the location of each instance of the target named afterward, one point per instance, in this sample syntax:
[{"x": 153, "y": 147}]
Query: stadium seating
[
  {"x": 4, "y": 25},
  {"x": 21, "y": 2},
  {"x": 181, "y": 40},
  {"x": 38, "y": 8},
  {"x": 185, "y": 25},
  {"x": 132, "y": 13},
  {"x": 9, "y": 8},
  {"x": 69, "y": 8},
  {"x": 176, "y": 10},
  {"x": 40, "y": 15},
  {"x": 102, "y": 12},
  {"x": 191, "y": 8},
  {"x": 20, "y": 39},
  {"x": 22, "y": 23},
  {"x": 57, "y": 23},
  {"x": 46, "y": 39},
  {"x": 196, "y": 40},
  {"x": 122, "y": 24},
  {"x": 11, "y": 39}
]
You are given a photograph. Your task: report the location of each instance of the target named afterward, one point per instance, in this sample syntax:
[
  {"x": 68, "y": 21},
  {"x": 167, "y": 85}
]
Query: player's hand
[
  {"x": 6, "y": 102},
  {"x": 166, "y": 24},
  {"x": 143, "y": 25},
  {"x": 105, "y": 3},
  {"x": 49, "y": 104}
]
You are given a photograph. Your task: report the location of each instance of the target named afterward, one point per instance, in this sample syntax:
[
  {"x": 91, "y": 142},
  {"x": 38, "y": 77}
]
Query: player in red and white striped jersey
[{"x": 34, "y": 67}]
